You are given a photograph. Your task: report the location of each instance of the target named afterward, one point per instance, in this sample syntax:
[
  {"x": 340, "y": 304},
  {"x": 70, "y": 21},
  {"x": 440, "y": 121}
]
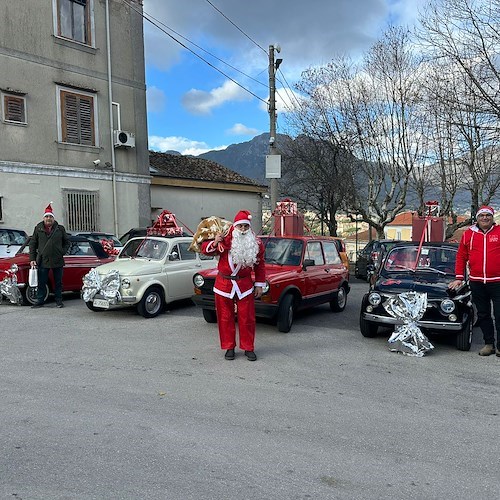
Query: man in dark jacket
[{"x": 48, "y": 245}]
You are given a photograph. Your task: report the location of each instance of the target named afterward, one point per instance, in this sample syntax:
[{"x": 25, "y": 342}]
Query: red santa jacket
[
  {"x": 482, "y": 252},
  {"x": 242, "y": 284}
]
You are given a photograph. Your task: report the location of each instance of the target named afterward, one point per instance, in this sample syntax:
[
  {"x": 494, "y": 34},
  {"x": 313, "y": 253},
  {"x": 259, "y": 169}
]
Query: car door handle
[{"x": 327, "y": 270}]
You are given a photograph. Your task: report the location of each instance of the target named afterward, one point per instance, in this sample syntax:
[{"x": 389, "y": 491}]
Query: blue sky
[{"x": 192, "y": 108}]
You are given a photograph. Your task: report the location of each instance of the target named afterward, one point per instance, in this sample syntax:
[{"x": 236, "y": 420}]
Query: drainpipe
[{"x": 110, "y": 102}]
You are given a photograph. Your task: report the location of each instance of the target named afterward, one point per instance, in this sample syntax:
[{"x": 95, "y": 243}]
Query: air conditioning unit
[{"x": 123, "y": 139}]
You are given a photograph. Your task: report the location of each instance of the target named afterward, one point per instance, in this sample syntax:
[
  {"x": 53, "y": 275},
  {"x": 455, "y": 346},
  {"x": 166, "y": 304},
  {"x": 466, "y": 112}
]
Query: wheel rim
[
  {"x": 152, "y": 303},
  {"x": 341, "y": 297},
  {"x": 32, "y": 295},
  {"x": 290, "y": 315}
]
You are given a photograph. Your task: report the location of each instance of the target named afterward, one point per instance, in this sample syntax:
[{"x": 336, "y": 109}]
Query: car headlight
[
  {"x": 447, "y": 306},
  {"x": 14, "y": 268},
  {"x": 266, "y": 287},
  {"x": 125, "y": 283},
  {"x": 198, "y": 280},
  {"x": 374, "y": 298}
]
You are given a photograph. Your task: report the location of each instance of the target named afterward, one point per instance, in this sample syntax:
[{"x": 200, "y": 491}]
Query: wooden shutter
[
  {"x": 77, "y": 118},
  {"x": 14, "y": 109}
]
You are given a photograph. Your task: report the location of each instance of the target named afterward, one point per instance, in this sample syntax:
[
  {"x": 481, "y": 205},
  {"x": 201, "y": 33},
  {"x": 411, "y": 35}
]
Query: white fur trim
[{"x": 242, "y": 221}]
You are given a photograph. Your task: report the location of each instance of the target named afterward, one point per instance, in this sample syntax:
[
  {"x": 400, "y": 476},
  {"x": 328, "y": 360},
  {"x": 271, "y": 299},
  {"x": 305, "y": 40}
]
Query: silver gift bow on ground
[{"x": 407, "y": 338}]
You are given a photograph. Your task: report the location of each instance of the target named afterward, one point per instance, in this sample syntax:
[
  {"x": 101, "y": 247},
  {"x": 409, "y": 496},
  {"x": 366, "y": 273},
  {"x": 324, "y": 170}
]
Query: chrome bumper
[{"x": 430, "y": 325}]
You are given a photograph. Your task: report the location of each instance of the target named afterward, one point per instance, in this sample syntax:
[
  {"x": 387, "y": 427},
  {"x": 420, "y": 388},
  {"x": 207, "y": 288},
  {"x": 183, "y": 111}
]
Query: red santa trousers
[{"x": 226, "y": 321}]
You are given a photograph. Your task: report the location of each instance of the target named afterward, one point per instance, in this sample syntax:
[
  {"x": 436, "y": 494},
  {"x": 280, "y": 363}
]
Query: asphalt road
[{"x": 113, "y": 406}]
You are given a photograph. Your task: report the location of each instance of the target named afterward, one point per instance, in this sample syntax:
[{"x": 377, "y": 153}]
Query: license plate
[{"x": 104, "y": 304}]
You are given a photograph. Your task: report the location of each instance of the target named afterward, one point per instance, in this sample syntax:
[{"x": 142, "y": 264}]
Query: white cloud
[
  {"x": 183, "y": 145},
  {"x": 155, "y": 98},
  {"x": 200, "y": 102},
  {"x": 240, "y": 129},
  {"x": 309, "y": 33}
]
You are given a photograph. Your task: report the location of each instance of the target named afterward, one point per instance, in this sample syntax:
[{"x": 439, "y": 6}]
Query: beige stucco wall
[{"x": 25, "y": 194}]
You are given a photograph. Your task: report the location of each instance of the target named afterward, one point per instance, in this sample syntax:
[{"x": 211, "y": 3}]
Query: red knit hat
[
  {"x": 48, "y": 210},
  {"x": 486, "y": 210},
  {"x": 242, "y": 217}
]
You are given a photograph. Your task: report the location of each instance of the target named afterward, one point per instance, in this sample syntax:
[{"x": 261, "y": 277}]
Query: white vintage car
[{"x": 148, "y": 273}]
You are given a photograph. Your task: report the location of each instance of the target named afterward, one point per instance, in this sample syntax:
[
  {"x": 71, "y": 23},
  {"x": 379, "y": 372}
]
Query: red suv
[{"x": 301, "y": 272}]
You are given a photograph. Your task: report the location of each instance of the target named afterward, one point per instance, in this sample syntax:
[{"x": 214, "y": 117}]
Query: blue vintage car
[{"x": 406, "y": 269}]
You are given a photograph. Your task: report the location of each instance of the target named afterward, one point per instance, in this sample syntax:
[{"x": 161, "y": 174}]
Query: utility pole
[{"x": 273, "y": 161}]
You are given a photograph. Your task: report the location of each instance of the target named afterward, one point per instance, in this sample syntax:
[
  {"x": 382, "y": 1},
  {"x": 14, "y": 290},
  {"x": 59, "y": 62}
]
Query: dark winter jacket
[{"x": 48, "y": 249}]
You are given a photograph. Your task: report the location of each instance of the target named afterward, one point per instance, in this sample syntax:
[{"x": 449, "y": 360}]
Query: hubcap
[{"x": 152, "y": 303}]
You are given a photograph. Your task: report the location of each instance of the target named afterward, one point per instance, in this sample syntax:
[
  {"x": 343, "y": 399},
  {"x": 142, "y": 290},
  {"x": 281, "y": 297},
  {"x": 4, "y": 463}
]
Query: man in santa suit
[{"x": 240, "y": 252}]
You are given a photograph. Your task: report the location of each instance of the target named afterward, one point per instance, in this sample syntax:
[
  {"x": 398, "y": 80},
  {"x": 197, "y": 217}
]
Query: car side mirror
[
  {"x": 308, "y": 262},
  {"x": 173, "y": 256}
]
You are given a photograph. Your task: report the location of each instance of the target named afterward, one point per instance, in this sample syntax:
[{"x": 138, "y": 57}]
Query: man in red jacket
[
  {"x": 480, "y": 249},
  {"x": 240, "y": 252}
]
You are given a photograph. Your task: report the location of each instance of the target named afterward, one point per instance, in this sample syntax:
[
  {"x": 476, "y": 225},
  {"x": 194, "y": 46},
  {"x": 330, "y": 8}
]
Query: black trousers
[
  {"x": 43, "y": 277},
  {"x": 483, "y": 296}
]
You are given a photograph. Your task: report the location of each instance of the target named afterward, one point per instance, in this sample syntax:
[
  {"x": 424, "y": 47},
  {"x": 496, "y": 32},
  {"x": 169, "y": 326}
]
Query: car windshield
[
  {"x": 146, "y": 248},
  {"x": 12, "y": 237},
  {"x": 286, "y": 252},
  {"x": 431, "y": 258}
]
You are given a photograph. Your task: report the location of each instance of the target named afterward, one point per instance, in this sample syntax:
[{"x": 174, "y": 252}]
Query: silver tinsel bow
[
  {"x": 10, "y": 290},
  {"x": 108, "y": 286},
  {"x": 407, "y": 338}
]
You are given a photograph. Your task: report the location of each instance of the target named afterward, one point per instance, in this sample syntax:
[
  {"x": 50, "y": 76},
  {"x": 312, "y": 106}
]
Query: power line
[
  {"x": 157, "y": 23},
  {"x": 237, "y": 27}
]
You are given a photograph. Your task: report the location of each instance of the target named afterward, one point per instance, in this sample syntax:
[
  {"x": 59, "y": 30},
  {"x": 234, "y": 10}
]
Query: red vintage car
[
  {"x": 80, "y": 258},
  {"x": 301, "y": 272}
]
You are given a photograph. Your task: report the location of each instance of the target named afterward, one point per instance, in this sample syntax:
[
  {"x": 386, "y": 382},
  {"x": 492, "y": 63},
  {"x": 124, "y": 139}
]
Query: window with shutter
[
  {"x": 14, "y": 109},
  {"x": 77, "y": 118},
  {"x": 73, "y": 20}
]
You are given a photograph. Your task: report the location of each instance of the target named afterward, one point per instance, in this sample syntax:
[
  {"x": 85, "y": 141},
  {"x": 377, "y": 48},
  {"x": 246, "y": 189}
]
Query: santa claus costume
[{"x": 240, "y": 253}]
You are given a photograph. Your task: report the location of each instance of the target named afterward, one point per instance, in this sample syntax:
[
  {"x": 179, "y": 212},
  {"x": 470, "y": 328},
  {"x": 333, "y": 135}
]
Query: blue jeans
[
  {"x": 43, "y": 278},
  {"x": 483, "y": 295}
]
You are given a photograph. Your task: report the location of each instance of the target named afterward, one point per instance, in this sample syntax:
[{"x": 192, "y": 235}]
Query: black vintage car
[{"x": 430, "y": 270}]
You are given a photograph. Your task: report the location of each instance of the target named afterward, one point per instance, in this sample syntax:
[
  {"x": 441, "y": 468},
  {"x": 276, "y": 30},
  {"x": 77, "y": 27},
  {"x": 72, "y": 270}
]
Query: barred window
[
  {"x": 14, "y": 108},
  {"x": 73, "y": 20},
  {"x": 82, "y": 209},
  {"x": 77, "y": 118}
]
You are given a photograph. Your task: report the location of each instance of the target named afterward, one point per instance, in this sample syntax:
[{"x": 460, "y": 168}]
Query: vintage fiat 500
[
  {"x": 429, "y": 270},
  {"x": 148, "y": 273}
]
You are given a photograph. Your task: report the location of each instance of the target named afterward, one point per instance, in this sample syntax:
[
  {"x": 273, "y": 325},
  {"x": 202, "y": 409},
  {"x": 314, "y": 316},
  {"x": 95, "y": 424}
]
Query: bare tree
[
  {"x": 369, "y": 110},
  {"x": 467, "y": 33},
  {"x": 316, "y": 175}
]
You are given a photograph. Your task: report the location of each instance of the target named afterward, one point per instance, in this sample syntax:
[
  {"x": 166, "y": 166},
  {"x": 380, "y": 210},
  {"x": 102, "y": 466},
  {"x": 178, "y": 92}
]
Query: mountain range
[{"x": 249, "y": 159}]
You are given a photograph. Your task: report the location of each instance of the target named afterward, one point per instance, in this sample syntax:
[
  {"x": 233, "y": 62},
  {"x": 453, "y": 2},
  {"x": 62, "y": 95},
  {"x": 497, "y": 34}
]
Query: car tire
[
  {"x": 285, "y": 313},
  {"x": 368, "y": 329},
  {"x": 152, "y": 302},
  {"x": 464, "y": 337},
  {"x": 91, "y": 306},
  {"x": 30, "y": 295},
  {"x": 339, "y": 301},
  {"x": 209, "y": 316}
]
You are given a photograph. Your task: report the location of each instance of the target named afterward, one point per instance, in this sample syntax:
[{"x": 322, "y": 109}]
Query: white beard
[{"x": 244, "y": 248}]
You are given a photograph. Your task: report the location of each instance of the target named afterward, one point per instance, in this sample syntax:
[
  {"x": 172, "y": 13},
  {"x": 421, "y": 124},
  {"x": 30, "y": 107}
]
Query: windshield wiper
[{"x": 433, "y": 269}]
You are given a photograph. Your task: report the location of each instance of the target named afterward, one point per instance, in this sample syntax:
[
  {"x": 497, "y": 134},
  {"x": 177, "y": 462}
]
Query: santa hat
[
  {"x": 486, "y": 210},
  {"x": 48, "y": 210},
  {"x": 242, "y": 217}
]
